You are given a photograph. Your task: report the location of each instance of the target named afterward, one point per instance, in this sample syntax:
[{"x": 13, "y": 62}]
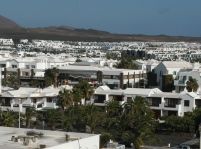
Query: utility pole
[
  {"x": 200, "y": 135},
  {"x": 19, "y": 111}
]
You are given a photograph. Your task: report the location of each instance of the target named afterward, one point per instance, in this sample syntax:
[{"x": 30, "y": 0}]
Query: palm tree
[
  {"x": 65, "y": 99},
  {"x": 137, "y": 120},
  {"x": 85, "y": 89},
  {"x": 55, "y": 72},
  {"x": 94, "y": 117},
  {"x": 113, "y": 119},
  {"x": 30, "y": 113},
  {"x": 53, "y": 118},
  {"x": 51, "y": 77},
  {"x": 192, "y": 85}
]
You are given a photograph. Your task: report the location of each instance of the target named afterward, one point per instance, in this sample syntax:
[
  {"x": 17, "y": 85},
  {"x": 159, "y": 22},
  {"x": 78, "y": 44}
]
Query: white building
[
  {"x": 15, "y": 138},
  {"x": 182, "y": 78},
  {"x": 115, "y": 78},
  {"x": 162, "y": 103},
  {"x": 170, "y": 68},
  {"x": 40, "y": 99}
]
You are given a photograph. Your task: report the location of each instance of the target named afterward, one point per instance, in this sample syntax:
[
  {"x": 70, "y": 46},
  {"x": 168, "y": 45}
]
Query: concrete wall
[{"x": 91, "y": 142}]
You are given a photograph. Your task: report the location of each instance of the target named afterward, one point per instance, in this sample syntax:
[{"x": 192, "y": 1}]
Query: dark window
[
  {"x": 34, "y": 100},
  {"x": 49, "y": 99},
  {"x": 14, "y": 66},
  {"x": 186, "y": 103}
]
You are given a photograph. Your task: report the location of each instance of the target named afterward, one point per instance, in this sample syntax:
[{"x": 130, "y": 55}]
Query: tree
[
  {"x": 53, "y": 118},
  {"x": 94, "y": 117},
  {"x": 8, "y": 118},
  {"x": 85, "y": 89},
  {"x": 51, "y": 77},
  {"x": 151, "y": 79},
  {"x": 104, "y": 139},
  {"x": 126, "y": 63},
  {"x": 137, "y": 121},
  {"x": 75, "y": 119},
  {"x": 65, "y": 99},
  {"x": 30, "y": 113},
  {"x": 113, "y": 119},
  {"x": 196, "y": 119},
  {"x": 180, "y": 124},
  {"x": 167, "y": 83},
  {"x": 77, "y": 95},
  {"x": 192, "y": 85},
  {"x": 11, "y": 80}
]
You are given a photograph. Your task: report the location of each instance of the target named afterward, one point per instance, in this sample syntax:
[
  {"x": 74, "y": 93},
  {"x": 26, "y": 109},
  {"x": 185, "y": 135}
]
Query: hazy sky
[{"x": 172, "y": 17}]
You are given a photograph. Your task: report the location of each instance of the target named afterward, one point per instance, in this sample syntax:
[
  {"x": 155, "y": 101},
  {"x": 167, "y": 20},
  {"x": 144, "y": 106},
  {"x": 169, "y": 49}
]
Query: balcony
[
  {"x": 49, "y": 105},
  {"x": 179, "y": 83},
  {"x": 14, "y": 109},
  {"x": 154, "y": 101}
]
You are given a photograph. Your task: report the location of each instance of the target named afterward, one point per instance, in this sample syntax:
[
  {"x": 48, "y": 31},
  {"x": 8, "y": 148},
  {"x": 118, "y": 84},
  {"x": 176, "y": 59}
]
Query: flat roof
[
  {"x": 166, "y": 95},
  {"x": 105, "y": 70},
  {"x": 49, "y": 138}
]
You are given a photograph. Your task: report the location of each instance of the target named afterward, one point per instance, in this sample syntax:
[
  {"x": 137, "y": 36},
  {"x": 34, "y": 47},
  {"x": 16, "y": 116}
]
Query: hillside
[
  {"x": 10, "y": 29},
  {"x": 7, "y": 23}
]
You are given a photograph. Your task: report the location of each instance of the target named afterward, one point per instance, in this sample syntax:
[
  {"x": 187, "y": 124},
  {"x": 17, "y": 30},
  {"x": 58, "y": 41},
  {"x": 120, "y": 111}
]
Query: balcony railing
[{"x": 15, "y": 109}]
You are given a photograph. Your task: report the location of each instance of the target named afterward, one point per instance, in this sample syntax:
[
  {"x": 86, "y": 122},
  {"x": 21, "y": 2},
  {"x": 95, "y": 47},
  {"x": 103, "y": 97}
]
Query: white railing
[{"x": 14, "y": 109}]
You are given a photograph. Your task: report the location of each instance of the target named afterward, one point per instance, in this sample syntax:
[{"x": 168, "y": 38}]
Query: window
[
  {"x": 49, "y": 99},
  {"x": 14, "y": 66},
  {"x": 34, "y": 100},
  {"x": 186, "y": 103},
  {"x": 3, "y": 65},
  {"x": 27, "y": 66},
  {"x": 161, "y": 73},
  {"x": 33, "y": 66}
]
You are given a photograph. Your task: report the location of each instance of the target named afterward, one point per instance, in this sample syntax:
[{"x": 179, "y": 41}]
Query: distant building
[
  {"x": 115, "y": 78},
  {"x": 170, "y": 68}
]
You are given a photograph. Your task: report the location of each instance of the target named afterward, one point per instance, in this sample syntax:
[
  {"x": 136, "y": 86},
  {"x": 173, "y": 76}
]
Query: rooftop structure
[{"x": 16, "y": 138}]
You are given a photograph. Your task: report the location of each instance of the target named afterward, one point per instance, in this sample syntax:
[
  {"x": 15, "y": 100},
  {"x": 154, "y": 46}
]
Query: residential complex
[
  {"x": 28, "y": 60},
  {"x": 160, "y": 73}
]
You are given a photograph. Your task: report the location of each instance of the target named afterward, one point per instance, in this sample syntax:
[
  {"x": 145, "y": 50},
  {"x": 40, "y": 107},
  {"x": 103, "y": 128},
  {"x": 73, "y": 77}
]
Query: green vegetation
[
  {"x": 192, "y": 85},
  {"x": 11, "y": 80},
  {"x": 151, "y": 79},
  {"x": 126, "y": 62},
  {"x": 167, "y": 83},
  {"x": 51, "y": 77},
  {"x": 8, "y": 118},
  {"x": 65, "y": 99},
  {"x": 130, "y": 123},
  {"x": 114, "y": 56}
]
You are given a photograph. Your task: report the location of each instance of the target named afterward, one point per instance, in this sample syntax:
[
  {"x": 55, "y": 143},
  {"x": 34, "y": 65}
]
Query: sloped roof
[
  {"x": 22, "y": 92},
  {"x": 141, "y": 91},
  {"x": 177, "y": 64},
  {"x": 166, "y": 95},
  {"x": 103, "y": 88}
]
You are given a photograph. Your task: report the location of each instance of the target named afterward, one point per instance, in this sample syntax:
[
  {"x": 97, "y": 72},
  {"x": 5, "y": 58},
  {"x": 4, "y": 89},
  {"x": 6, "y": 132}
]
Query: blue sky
[{"x": 171, "y": 17}]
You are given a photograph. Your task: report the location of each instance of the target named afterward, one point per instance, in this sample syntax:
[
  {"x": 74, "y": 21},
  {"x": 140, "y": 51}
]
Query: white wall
[{"x": 92, "y": 142}]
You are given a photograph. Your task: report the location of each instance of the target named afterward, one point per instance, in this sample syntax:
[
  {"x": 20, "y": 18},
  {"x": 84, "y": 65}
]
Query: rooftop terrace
[{"x": 16, "y": 138}]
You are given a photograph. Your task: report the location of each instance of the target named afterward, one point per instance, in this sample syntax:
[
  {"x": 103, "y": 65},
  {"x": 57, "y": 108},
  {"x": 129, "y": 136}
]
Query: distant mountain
[
  {"x": 7, "y": 23},
  {"x": 10, "y": 29}
]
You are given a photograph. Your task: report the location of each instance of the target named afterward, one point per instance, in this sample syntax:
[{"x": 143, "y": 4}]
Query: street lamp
[
  {"x": 19, "y": 110},
  {"x": 200, "y": 133}
]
